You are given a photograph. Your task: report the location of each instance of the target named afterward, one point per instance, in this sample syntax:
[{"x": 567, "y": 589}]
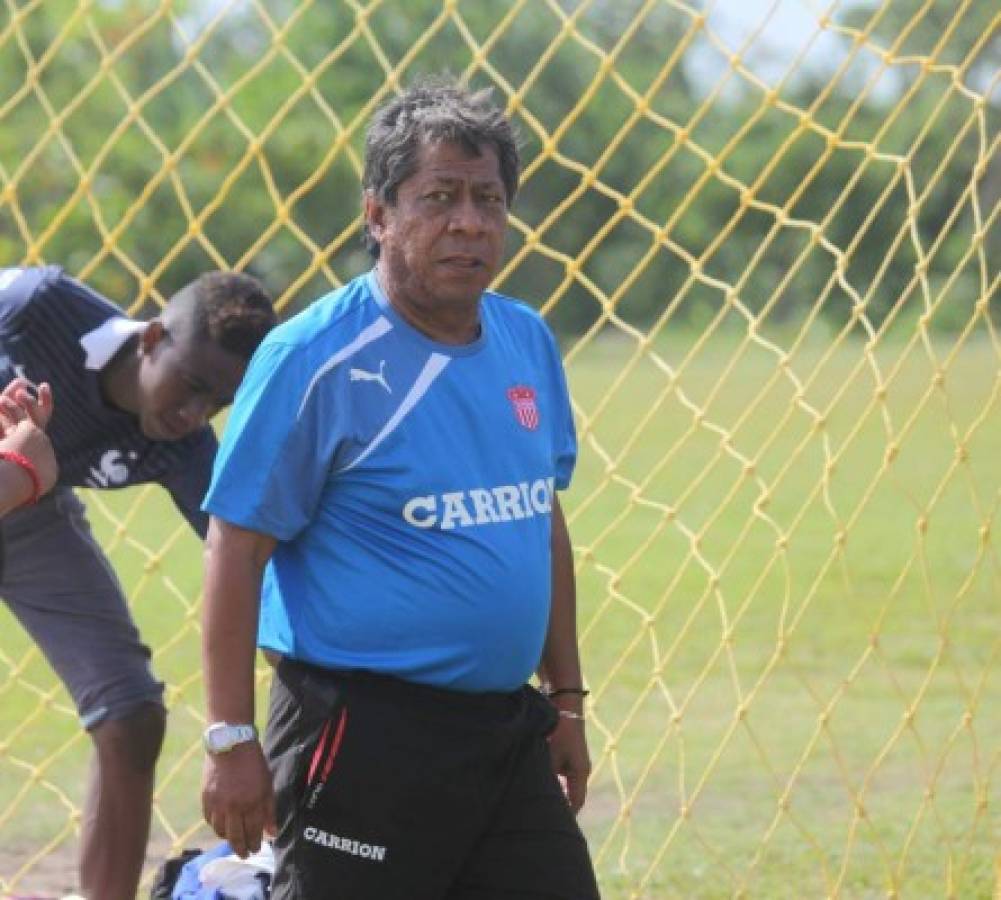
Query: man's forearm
[
  {"x": 560, "y": 666},
  {"x": 237, "y": 796},
  {"x": 234, "y": 563},
  {"x": 560, "y": 671},
  {"x": 15, "y": 487}
]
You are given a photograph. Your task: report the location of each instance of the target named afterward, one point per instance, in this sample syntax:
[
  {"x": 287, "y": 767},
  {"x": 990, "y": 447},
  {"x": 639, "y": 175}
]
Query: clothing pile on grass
[{"x": 216, "y": 874}]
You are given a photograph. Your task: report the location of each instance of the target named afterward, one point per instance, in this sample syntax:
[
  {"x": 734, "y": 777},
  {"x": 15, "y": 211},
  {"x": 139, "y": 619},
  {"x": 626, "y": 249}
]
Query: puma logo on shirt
[{"x": 378, "y": 377}]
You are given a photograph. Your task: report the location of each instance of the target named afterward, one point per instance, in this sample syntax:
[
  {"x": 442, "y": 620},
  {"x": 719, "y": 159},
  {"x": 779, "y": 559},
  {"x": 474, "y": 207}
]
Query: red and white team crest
[{"x": 522, "y": 399}]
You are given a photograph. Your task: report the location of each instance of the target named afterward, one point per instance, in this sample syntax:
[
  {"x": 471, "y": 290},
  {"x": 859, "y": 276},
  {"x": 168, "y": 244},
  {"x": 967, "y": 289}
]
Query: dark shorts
[
  {"x": 388, "y": 790},
  {"x": 61, "y": 587}
]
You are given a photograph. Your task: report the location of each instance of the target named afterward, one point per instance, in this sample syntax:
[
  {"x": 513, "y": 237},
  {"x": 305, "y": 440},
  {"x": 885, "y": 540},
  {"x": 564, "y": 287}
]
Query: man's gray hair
[{"x": 434, "y": 110}]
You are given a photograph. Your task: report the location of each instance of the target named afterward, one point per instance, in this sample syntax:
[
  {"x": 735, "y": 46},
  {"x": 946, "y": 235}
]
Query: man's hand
[
  {"x": 237, "y": 797},
  {"x": 568, "y": 751},
  {"x": 23, "y": 415},
  {"x": 21, "y": 398}
]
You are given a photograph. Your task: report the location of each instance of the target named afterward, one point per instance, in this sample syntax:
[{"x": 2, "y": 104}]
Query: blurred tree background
[{"x": 142, "y": 142}]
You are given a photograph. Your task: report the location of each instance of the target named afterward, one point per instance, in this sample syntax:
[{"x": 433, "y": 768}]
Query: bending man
[{"x": 135, "y": 399}]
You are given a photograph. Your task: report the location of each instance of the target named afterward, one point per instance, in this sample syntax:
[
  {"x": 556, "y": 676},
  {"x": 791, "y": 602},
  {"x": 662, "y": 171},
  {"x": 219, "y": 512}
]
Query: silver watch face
[{"x": 220, "y": 738}]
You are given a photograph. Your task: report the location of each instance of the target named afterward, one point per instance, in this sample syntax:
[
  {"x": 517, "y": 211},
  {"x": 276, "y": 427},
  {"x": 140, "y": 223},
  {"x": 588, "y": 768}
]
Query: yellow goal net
[{"x": 766, "y": 235}]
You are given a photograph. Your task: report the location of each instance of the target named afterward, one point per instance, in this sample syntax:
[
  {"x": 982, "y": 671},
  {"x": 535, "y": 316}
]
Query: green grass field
[{"x": 789, "y": 605}]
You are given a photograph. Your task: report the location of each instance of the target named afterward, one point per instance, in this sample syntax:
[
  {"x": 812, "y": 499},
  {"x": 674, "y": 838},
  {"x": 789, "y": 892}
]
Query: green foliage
[{"x": 166, "y": 146}]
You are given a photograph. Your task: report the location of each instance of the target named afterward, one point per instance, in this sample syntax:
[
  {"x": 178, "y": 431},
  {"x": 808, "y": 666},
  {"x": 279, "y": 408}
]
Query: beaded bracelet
[{"x": 27, "y": 466}]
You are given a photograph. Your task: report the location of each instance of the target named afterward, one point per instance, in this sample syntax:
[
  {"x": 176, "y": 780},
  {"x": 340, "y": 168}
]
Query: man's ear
[
  {"x": 375, "y": 214},
  {"x": 152, "y": 335}
]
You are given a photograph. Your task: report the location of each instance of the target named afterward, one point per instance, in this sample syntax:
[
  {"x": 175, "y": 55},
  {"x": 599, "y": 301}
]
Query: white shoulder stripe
[
  {"x": 373, "y": 332},
  {"x": 107, "y": 339},
  {"x": 432, "y": 369},
  {"x": 8, "y": 277}
]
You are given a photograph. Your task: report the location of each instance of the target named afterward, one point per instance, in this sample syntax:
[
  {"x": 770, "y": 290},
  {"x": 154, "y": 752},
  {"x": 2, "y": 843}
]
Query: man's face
[
  {"x": 441, "y": 243},
  {"x": 182, "y": 383}
]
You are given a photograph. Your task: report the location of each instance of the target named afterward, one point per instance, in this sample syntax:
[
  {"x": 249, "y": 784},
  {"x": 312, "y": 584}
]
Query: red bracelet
[{"x": 19, "y": 459}]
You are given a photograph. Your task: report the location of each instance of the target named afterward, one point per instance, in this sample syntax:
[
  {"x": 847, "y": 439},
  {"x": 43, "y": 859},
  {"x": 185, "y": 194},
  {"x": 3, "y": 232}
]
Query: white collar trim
[{"x": 106, "y": 340}]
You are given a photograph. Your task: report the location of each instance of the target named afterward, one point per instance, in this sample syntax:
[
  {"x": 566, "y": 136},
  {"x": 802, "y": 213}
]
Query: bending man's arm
[
  {"x": 237, "y": 798},
  {"x": 560, "y": 667}
]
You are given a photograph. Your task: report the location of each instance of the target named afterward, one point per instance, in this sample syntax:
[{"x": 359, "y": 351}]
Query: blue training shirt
[{"x": 410, "y": 487}]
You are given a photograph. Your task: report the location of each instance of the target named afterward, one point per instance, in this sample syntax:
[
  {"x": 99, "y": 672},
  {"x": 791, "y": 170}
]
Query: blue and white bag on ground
[{"x": 219, "y": 874}]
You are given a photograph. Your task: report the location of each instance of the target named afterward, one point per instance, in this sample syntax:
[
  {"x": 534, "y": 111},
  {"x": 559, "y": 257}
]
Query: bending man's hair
[{"x": 229, "y": 309}]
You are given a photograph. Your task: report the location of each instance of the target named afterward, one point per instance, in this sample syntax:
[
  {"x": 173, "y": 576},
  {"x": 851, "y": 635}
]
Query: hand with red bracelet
[{"x": 28, "y": 465}]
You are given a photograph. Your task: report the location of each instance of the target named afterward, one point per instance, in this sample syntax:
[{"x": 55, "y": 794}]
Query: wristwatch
[{"x": 221, "y": 737}]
